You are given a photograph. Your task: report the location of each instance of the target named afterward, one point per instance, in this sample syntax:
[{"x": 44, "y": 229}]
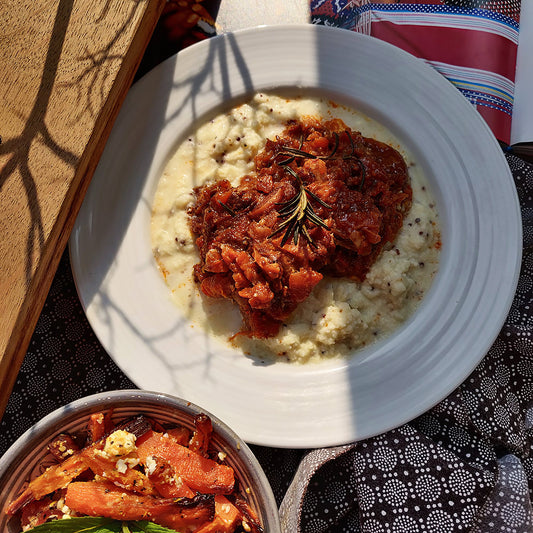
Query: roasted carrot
[
  {"x": 181, "y": 434},
  {"x": 202, "y": 434},
  {"x": 54, "y": 478},
  {"x": 226, "y": 517},
  {"x": 99, "y": 424},
  {"x": 126, "y": 477},
  {"x": 60, "y": 475},
  {"x": 133, "y": 472},
  {"x": 95, "y": 498},
  {"x": 166, "y": 481},
  {"x": 199, "y": 473},
  {"x": 38, "y": 512}
]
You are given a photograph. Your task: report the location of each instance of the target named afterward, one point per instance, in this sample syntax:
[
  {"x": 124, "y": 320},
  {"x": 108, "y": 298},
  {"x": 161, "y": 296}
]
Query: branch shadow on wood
[
  {"x": 35, "y": 130},
  {"x": 92, "y": 81}
]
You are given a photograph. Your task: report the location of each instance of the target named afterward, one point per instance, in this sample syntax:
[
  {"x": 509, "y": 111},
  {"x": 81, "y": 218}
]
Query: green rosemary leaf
[
  {"x": 296, "y": 234},
  {"x": 297, "y": 152},
  {"x": 308, "y": 237},
  {"x": 352, "y": 144},
  {"x": 363, "y": 174},
  {"x": 290, "y": 229},
  {"x": 335, "y": 147},
  {"x": 288, "y": 209},
  {"x": 317, "y": 198},
  {"x": 293, "y": 173},
  {"x": 317, "y": 221},
  {"x": 227, "y": 208},
  {"x": 287, "y": 161}
]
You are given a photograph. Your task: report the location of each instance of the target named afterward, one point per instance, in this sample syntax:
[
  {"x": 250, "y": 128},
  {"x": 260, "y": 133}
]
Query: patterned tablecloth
[{"x": 466, "y": 465}]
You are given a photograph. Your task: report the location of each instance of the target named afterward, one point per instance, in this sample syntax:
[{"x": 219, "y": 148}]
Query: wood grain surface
[{"x": 65, "y": 67}]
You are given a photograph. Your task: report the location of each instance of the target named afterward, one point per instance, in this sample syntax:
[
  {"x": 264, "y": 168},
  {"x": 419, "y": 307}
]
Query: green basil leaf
[
  {"x": 148, "y": 527},
  {"x": 80, "y": 524},
  {"x": 90, "y": 524}
]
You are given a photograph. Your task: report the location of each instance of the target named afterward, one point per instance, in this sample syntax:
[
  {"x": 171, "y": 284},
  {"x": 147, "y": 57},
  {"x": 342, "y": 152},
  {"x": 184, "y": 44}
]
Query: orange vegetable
[
  {"x": 180, "y": 434},
  {"x": 95, "y": 498},
  {"x": 55, "y": 478},
  {"x": 133, "y": 472},
  {"x": 199, "y": 473},
  {"x": 131, "y": 479},
  {"x": 98, "y": 426},
  {"x": 226, "y": 517},
  {"x": 167, "y": 482}
]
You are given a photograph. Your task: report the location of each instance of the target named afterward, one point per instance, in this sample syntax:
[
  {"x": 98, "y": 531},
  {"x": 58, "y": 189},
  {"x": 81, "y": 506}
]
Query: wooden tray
[{"x": 65, "y": 68}]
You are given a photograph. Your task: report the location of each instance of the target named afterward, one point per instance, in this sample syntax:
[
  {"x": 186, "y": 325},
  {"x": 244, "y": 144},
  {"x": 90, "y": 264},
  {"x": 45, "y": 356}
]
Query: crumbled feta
[
  {"x": 150, "y": 465},
  {"x": 121, "y": 466},
  {"x": 120, "y": 443}
]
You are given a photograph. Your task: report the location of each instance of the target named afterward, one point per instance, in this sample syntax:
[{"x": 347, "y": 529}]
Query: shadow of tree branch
[
  {"x": 20, "y": 147},
  {"x": 96, "y": 76}
]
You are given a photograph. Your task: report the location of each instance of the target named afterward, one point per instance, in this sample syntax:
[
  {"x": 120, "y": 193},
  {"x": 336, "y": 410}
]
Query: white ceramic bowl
[
  {"x": 387, "y": 383},
  {"x": 21, "y": 462}
]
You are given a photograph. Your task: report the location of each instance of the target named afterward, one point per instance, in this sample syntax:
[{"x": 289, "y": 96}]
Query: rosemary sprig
[
  {"x": 296, "y": 211},
  {"x": 227, "y": 208},
  {"x": 293, "y": 153}
]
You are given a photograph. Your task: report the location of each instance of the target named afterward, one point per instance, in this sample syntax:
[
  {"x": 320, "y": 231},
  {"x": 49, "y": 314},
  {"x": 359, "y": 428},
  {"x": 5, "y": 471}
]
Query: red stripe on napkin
[{"x": 466, "y": 48}]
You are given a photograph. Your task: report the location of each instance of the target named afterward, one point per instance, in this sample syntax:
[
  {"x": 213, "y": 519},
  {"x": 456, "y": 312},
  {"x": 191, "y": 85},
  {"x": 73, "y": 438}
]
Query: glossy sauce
[{"x": 363, "y": 192}]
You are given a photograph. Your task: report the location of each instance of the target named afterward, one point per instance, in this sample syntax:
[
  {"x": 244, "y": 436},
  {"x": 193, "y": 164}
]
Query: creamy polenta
[{"x": 341, "y": 315}]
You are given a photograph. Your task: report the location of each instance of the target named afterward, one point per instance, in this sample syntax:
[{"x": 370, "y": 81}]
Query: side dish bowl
[{"x": 24, "y": 458}]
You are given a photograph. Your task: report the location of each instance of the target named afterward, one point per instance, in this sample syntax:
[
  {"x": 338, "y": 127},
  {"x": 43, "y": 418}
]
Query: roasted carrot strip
[
  {"x": 180, "y": 434},
  {"x": 56, "y": 477},
  {"x": 99, "y": 425},
  {"x": 226, "y": 517},
  {"x": 130, "y": 479},
  {"x": 166, "y": 481},
  {"x": 202, "y": 434},
  {"x": 199, "y": 473},
  {"x": 60, "y": 475},
  {"x": 38, "y": 512},
  {"x": 94, "y": 498}
]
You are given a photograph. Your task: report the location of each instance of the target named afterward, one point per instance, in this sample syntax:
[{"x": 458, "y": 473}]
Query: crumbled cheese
[
  {"x": 222, "y": 455},
  {"x": 121, "y": 466},
  {"x": 119, "y": 443},
  {"x": 124, "y": 463},
  {"x": 150, "y": 465},
  {"x": 245, "y": 526},
  {"x": 65, "y": 510}
]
